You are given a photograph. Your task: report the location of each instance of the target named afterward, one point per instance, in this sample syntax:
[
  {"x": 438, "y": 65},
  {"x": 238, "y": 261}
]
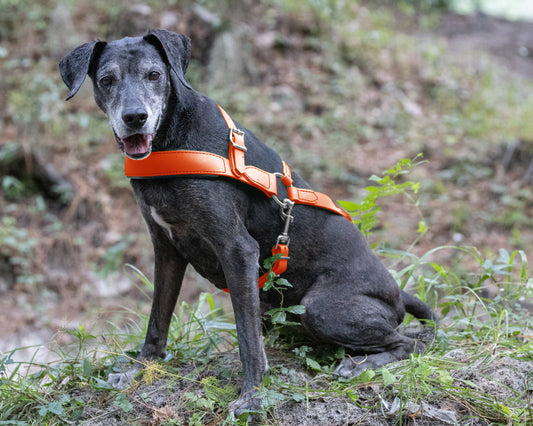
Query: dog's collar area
[{"x": 179, "y": 163}]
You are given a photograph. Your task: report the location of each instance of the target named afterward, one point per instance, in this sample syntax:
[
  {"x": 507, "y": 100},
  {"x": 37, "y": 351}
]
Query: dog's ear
[
  {"x": 76, "y": 65},
  {"x": 177, "y": 49}
]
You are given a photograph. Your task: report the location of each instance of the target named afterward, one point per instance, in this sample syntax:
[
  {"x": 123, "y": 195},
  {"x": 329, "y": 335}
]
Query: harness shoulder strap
[{"x": 237, "y": 148}]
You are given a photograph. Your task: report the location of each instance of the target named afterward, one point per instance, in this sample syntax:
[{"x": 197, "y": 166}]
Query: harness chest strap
[{"x": 182, "y": 162}]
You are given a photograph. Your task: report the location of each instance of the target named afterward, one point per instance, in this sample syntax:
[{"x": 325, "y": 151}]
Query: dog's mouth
[{"x": 136, "y": 146}]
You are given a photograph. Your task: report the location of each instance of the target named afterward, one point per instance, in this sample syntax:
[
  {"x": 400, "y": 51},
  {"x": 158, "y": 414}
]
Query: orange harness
[{"x": 176, "y": 163}]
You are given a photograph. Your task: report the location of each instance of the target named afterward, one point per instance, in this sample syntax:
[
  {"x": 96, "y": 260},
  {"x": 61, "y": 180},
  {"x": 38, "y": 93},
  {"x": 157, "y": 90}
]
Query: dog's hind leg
[
  {"x": 168, "y": 276},
  {"x": 364, "y": 325}
]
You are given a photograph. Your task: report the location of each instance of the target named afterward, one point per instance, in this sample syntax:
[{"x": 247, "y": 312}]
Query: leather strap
[
  {"x": 237, "y": 148},
  {"x": 178, "y": 163}
]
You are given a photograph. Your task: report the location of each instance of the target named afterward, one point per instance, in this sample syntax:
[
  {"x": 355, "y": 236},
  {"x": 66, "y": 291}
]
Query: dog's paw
[
  {"x": 352, "y": 367},
  {"x": 246, "y": 404},
  {"x": 122, "y": 380}
]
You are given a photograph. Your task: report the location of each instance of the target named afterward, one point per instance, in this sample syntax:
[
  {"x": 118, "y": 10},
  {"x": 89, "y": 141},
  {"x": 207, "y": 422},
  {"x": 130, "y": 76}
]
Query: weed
[
  {"x": 278, "y": 316},
  {"x": 82, "y": 338},
  {"x": 36, "y": 101},
  {"x": 16, "y": 11},
  {"x": 113, "y": 257},
  {"x": 113, "y": 167},
  {"x": 196, "y": 331},
  {"x": 23, "y": 397},
  {"x": 215, "y": 392},
  {"x": 365, "y": 213},
  {"x": 123, "y": 402}
]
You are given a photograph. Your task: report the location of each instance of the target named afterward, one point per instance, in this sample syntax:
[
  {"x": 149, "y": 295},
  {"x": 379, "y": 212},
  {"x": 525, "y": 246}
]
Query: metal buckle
[
  {"x": 285, "y": 210},
  {"x": 283, "y": 239},
  {"x": 240, "y": 133},
  {"x": 285, "y": 206},
  {"x": 278, "y": 202}
]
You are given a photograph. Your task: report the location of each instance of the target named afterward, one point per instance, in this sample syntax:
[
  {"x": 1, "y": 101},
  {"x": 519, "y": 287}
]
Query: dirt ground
[
  {"x": 375, "y": 405},
  {"x": 509, "y": 41}
]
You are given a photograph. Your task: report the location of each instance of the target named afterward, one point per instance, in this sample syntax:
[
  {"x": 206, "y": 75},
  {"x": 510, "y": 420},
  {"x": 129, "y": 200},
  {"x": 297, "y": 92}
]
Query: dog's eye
[
  {"x": 106, "y": 81},
  {"x": 153, "y": 76}
]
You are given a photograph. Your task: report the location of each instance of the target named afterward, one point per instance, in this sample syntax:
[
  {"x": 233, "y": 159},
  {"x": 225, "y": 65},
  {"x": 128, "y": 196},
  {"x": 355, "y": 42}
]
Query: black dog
[{"x": 225, "y": 228}]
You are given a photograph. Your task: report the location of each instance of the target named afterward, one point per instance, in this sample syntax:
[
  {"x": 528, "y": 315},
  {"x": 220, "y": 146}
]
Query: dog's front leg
[
  {"x": 168, "y": 276},
  {"x": 241, "y": 272}
]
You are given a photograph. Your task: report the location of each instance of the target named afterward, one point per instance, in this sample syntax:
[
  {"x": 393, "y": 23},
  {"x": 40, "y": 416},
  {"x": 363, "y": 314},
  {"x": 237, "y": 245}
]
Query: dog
[{"x": 225, "y": 229}]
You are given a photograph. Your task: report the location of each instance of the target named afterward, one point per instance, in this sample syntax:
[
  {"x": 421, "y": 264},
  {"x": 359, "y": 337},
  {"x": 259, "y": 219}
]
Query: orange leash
[{"x": 177, "y": 163}]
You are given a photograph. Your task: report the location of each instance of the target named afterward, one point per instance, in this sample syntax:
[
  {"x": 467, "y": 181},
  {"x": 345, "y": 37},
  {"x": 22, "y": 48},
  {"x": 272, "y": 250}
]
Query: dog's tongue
[{"x": 137, "y": 145}]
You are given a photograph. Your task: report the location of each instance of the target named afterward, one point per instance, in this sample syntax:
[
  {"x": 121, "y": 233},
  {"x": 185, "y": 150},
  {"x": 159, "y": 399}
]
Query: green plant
[
  {"x": 23, "y": 397},
  {"x": 410, "y": 383},
  {"x": 221, "y": 395},
  {"x": 114, "y": 170},
  {"x": 322, "y": 11},
  {"x": 427, "y": 5},
  {"x": 13, "y": 188},
  {"x": 364, "y": 214},
  {"x": 113, "y": 257},
  {"x": 60, "y": 407},
  {"x": 196, "y": 330},
  {"x": 278, "y": 316},
  {"x": 82, "y": 337},
  {"x": 35, "y": 99}
]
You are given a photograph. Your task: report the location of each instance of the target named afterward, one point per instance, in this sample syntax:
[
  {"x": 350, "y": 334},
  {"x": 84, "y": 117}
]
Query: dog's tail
[{"x": 424, "y": 314}]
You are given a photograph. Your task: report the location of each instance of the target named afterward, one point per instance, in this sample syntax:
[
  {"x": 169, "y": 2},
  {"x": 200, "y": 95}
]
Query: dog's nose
[{"x": 135, "y": 118}]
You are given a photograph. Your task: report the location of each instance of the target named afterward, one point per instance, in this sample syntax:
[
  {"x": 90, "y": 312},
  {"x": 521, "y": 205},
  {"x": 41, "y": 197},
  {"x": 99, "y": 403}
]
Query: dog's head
[{"x": 132, "y": 80}]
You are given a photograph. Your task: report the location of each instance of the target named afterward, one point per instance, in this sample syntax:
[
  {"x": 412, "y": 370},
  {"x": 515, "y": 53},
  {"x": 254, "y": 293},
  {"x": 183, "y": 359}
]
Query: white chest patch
[{"x": 159, "y": 220}]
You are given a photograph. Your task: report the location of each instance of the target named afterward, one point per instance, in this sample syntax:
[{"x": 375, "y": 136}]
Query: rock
[
  {"x": 35, "y": 168},
  {"x": 231, "y": 63},
  {"x": 61, "y": 34},
  {"x": 422, "y": 410},
  {"x": 135, "y": 20}
]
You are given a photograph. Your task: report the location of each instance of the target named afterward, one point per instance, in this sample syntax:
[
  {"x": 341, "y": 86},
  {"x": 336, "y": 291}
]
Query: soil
[
  {"x": 511, "y": 42},
  {"x": 500, "y": 377}
]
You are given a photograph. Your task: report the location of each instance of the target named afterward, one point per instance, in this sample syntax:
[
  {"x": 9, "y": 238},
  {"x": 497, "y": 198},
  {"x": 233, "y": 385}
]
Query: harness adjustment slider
[{"x": 240, "y": 133}]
